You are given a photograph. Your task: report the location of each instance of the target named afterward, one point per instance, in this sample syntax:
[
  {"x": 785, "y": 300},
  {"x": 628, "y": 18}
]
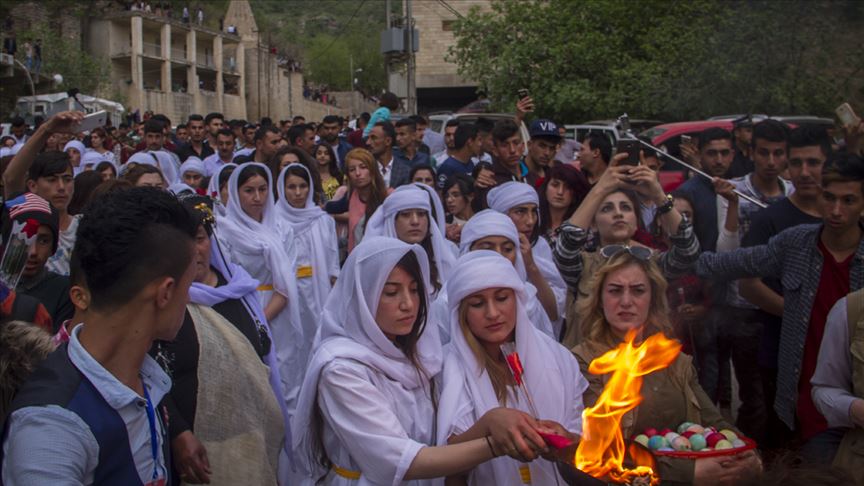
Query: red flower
[{"x": 31, "y": 227}]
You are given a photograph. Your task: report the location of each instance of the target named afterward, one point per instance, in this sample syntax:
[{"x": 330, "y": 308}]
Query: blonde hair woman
[
  {"x": 365, "y": 192},
  {"x": 628, "y": 292}
]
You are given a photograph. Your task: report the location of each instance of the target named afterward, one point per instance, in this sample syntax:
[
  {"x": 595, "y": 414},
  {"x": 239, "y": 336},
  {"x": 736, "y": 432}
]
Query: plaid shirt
[
  {"x": 794, "y": 257},
  {"x": 674, "y": 263}
]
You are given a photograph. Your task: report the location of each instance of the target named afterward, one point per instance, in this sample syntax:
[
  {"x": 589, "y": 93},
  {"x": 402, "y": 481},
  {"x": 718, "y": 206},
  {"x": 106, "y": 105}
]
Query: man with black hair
[
  {"x": 432, "y": 139},
  {"x": 595, "y": 156},
  {"x": 833, "y": 251},
  {"x": 507, "y": 162},
  {"x": 246, "y": 143},
  {"x": 809, "y": 148},
  {"x": 715, "y": 152},
  {"x": 92, "y": 405},
  {"x": 330, "y": 128},
  {"x": 302, "y": 136},
  {"x": 236, "y": 126},
  {"x": 198, "y": 145},
  {"x": 268, "y": 141},
  {"x": 48, "y": 175},
  {"x": 466, "y": 144},
  {"x": 214, "y": 122},
  {"x": 355, "y": 138},
  {"x": 742, "y": 133},
  {"x": 449, "y": 132},
  {"x": 541, "y": 150},
  {"x": 744, "y": 322},
  {"x": 484, "y": 133},
  {"x": 380, "y": 143},
  {"x": 181, "y": 135},
  {"x": 406, "y": 152},
  {"x": 224, "y": 152},
  {"x": 284, "y": 126},
  {"x": 298, "y": 120},
  {"x": 19, "y": 130}
]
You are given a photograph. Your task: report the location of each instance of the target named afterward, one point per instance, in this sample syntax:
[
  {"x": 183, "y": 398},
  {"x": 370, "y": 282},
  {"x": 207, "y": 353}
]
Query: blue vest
[{"x": 58, "y": 382}]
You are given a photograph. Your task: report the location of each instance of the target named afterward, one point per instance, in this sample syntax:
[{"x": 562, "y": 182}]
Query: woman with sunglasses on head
[
  {"x": 520, "y": 203},
  {"x": 611, "y": 210},
  {"x": 627, "y": 292},
  {"x": 226, "y": 389},
  {"x": 487, "y": 304},
  {"x": 367, "y": 408}
]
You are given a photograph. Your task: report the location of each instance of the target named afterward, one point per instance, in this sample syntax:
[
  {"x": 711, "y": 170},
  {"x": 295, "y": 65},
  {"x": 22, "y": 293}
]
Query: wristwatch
[{"x": 666, "y": 207}]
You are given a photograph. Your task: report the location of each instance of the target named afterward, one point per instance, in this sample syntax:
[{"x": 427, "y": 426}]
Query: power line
[
  {"x": 451, "y": 9},
  {"x": 335, "y": 38}
]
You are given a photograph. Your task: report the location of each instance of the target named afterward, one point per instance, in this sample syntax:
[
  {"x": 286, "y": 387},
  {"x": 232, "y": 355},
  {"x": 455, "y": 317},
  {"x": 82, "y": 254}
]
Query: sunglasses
[{"x": 639, "y": 252}]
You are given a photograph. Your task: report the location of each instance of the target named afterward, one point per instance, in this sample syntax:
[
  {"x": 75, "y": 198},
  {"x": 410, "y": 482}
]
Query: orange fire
[{"x": 601, "y": 451}]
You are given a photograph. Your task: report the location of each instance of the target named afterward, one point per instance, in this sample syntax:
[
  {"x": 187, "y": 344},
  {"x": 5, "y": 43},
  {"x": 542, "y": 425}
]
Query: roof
[{"x": 85, "y": 99}]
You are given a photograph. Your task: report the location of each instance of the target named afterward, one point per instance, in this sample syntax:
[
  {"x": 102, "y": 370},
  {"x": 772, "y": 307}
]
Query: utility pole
[
  {"x": 411, "y": 98},
  {"x": 386, "y": 57}
]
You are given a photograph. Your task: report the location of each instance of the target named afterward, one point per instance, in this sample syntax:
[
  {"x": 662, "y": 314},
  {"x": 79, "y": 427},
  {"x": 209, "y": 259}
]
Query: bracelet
[{"x": 489, "y": 443}]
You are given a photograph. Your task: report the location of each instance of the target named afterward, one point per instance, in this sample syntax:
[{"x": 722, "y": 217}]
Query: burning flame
[{"x": 601, "y": 451}]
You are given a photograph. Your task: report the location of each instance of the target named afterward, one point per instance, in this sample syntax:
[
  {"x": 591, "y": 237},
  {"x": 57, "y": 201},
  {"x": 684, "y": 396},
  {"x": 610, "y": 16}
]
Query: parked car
[
  {"x": 636, "y": 124},
  {"x": 609, "y": 130},
  {"x": 438, "y": 121}
]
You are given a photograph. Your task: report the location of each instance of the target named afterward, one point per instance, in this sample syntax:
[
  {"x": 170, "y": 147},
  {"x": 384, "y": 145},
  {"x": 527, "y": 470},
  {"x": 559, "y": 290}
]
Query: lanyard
[{"x": 154, "y": 436}]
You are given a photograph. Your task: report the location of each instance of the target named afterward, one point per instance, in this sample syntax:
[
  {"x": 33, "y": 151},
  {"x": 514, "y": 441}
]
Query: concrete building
[
  {"x": 439, "y": 86},
  {"x": 170, "y": 67}
]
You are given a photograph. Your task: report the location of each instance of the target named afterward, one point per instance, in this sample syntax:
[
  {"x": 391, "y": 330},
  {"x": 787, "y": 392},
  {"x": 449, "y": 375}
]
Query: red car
[{"x": 668, "y": 138}]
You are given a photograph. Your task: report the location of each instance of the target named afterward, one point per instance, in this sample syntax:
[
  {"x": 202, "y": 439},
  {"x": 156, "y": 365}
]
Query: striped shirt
[
  {"x": 674, "y": 263},
  {"x": 794, "y": 257}
]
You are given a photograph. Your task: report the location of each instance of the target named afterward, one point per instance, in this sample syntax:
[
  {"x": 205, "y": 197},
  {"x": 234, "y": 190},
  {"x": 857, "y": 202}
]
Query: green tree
[
  {"x": 661, "y": 58},
  {"x": 78, "y": 68}
]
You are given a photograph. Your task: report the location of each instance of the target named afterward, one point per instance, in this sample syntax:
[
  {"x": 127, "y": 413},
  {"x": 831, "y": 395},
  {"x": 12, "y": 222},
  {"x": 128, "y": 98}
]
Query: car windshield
[{"x": 653, "y": 132}]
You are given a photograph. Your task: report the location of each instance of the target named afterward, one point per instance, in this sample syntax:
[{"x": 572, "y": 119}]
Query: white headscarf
[
  {"x": 551, "y": 373},
  {"x": 492, "y": 223},
  {"x": 213, "y": 190},
  {"x": 383, "y": 223},
  {"x": 76, "y": 145},
  {"x": 348, "y": 330},
  {"x": 436, "y": 204},
  {"x": 143, "y": 158},
  {"x": 165, "y": 163},
  {"x": 309, "y": 220},
  {"x": 193, "y": 164},
  {"x": 266, "y": 238},
  {"x": 510, "y": 194},
  {"x": 505, "y": 197}
]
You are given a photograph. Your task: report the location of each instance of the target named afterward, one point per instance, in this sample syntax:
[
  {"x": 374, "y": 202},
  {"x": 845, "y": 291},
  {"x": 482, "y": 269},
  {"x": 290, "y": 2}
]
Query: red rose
[{"x": 31, "y": 227}]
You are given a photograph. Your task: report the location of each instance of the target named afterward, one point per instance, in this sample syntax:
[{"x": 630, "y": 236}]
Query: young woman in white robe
[
  {"x": 253, "y": 239},
  {"x": 366, "y": 414},
  {"x": 439, "y": 215},
  {"x": 491, "y": 230},
  {"x": 521, "y": 204},
  {"x": 317, "y": 247},
  {"x": 487, "y": 308},
  {"x": 406, "y": 214}
]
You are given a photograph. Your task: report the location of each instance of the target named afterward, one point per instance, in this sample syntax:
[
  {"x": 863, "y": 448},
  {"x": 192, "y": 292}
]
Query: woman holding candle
[
  {"x": 366, "y": 413},
  {"x": 628, "y": 292},
  {"x": 487, "y": 309}
]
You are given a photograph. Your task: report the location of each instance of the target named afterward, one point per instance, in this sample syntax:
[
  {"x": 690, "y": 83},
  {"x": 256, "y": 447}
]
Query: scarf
[
  {"x": 383, "y": 223},
  {"x": 348, "y": 330}
]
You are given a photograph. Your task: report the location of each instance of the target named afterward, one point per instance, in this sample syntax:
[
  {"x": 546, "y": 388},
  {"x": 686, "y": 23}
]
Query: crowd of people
[{"x": 235, "y": 302}]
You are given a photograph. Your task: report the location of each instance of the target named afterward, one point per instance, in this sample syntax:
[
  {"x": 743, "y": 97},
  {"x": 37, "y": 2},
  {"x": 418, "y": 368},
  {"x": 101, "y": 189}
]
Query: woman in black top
[{"x": 225, "y": 419}]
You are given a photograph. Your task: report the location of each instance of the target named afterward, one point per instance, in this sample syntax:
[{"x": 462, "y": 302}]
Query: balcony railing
[
  {"x": 150, "y": 49},
  {"x": 178, "y": 54}
]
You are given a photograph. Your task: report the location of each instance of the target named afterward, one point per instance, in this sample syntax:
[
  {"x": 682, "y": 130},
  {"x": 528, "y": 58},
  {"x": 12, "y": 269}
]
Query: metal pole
[
  {"x": 411, "y": 98},
  {"x": 32, "y": 88},
  {"x": 386, "y": 57},
  {"x": 700, "y": 172}
]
